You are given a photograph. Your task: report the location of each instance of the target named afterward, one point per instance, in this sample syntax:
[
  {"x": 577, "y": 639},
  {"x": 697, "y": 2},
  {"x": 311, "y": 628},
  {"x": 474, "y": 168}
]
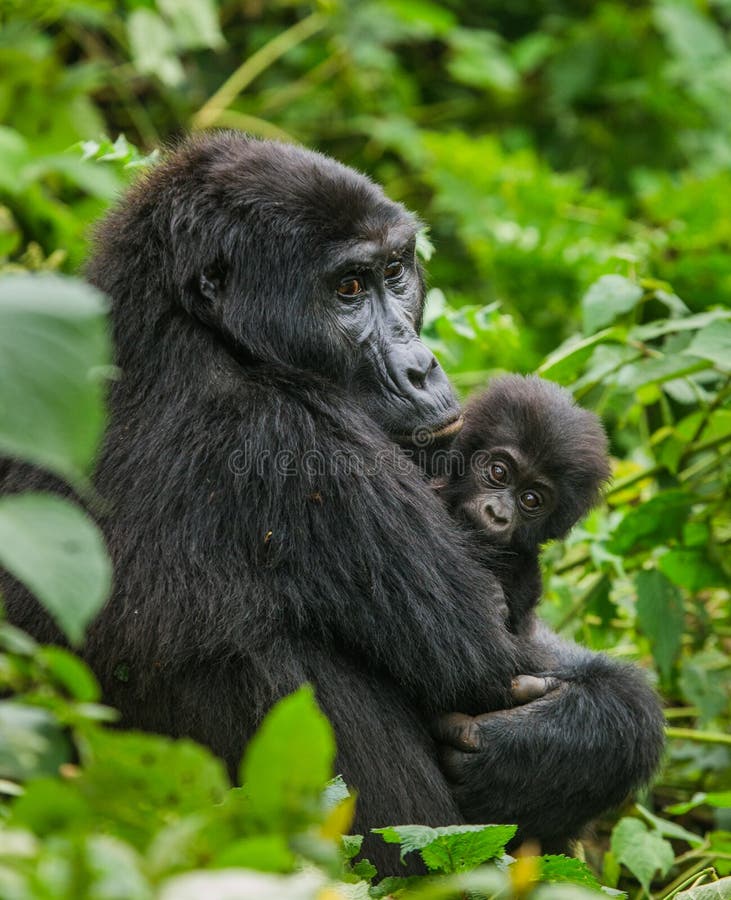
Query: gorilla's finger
[
  {"x": 457, "y": 730},
  {"x": 525, "y": 688}
]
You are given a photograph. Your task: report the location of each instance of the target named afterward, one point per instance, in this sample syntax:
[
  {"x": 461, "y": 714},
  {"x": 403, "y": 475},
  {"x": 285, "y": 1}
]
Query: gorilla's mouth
[{"x": 422, "y": 435}]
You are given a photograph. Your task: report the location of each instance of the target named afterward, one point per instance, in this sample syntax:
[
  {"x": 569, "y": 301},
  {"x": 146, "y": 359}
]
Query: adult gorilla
[{"x": 266, "y": 529}]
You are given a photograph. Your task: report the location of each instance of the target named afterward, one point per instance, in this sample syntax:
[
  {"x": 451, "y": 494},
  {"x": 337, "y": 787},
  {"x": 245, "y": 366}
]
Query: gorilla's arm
[{"x": 553, "y": 764}]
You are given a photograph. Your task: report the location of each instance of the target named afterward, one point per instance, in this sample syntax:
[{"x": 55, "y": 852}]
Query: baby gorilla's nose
[{"x": 497, "y": 514}]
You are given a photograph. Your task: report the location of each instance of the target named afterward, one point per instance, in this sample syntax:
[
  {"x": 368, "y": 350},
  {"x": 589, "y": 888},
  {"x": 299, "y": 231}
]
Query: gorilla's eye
[
  {"x": 498, "y": 473},
  {"x": 394, "y": 270},
  {"x": 531, "y": 500},
  {"x": 350, "y": 288}
]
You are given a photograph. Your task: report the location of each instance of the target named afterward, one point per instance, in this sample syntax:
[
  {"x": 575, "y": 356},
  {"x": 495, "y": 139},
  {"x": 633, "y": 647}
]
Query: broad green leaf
[
  {"x": 57, "y": 552},
  {"x": 659, "y": 370},
  {"x": 704, "y": 680},
  {"x": 565, "y": 364},
  {"x": 564, "y": 869},
  {"x": 32, "y": 743},
  {"x": 452, "y": 848},
  {"x": 651, "y": 524},
  {"x": 336, "y": 790},
  {"x": 660, "y": 615},
  {"x": 719, "y": 799},
  {"x": 69, "y": 671},
  {"x": 50, "y": 806},
  {"x": 607, "y": 299},
  {"x": 479, "y": 60},
  {"x": 671, "y": 326},
  {"x": 53, "y": 347},
  {"x": 669, "y": 829},
  {"x": 644, "y": 852},
  {"x": 713, "y": 343},
  {"x": 14, "y": 156},
  {"x": 691, "y": 569},
  {"x": 288, "y": 764},
  {"x": 153, "y": 46},
  {"x": 138, "y": 783},
  {"x": 716, "y": 890},
  {"x": 350, "y": 845},
  {"x": 195, "y": 22},
  {"x": 263, "y": 852}
]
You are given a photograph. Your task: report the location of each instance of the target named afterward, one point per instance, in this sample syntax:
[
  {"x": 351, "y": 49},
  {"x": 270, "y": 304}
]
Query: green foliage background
[{"x": 573, "y": 160}]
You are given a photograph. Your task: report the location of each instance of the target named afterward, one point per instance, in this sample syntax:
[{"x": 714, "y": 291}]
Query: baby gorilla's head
[{"x": 528, "y": 464}]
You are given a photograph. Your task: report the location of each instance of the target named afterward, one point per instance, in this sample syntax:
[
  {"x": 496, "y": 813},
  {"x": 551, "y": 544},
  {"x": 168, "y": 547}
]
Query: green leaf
[
  {"x": 195, "y": 22},
  {"x": 53, "y": 345},
  {"x": 719, "y": 799},
  {"x": 336, "y": 790},
  {"x": 452, "y": 848},
  {"x": 263, "y": 852},
  {"x": 660, "y": 615},
  {"x": 57, "y": 552},
  {"x": 607, "y": 299},
  {"x": 669, "y": 829},
  {"x": 152, "y": 44},
  {"x": 14, "y": 156},
  {"x": 479, "y": 60},
  {"x": 138, "y": 783},
  {"x": 71, "y": 672},
  {"x": 288, "y": 763},
  {"x": 651, "y": 524},
  {"x": 642, "y": 851},
  {"x": 565, "y": 364},
  {"x": 714, "y": 344},
  {"x": 350, "y": 845},
  {"x": 49, "y": 806},
  {"x": 32, "y": 743},
  {"x": 717, "y": 890},
  {"x": 691, "y": 569},
  {"x": 566, "y": 870}
]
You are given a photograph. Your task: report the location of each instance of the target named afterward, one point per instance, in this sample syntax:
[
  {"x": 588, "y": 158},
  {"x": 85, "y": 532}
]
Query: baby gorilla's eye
[
  {"x": 350, "y": 288},
  {"x": 531, "y": 500},
  {"x": 394, "y": 270},
  {"x": 498, "y": 473}
]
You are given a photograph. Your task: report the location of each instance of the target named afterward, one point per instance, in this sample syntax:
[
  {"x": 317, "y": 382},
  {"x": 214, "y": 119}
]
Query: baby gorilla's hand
[{"x": 462, "y": 732}]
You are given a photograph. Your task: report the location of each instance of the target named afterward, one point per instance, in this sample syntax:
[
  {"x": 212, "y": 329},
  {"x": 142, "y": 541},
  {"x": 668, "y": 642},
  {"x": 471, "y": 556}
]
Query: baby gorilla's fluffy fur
[{"x": 528, "y": 464}]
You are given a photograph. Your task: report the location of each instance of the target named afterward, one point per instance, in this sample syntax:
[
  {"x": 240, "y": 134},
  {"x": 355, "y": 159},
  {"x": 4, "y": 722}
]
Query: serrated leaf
[
  {"x": 567, "y": 870},
  {"x": 714, "y": 344},
  {"x": 58, "y": 553},
  {"x": 660, "y": 615},
  {"x": 606, "y": 299},
  {"x": 53, "y": 347},
  {"x": 452, "y": 848},
  {"x": 642, "y": 851},
  {"x": 288, "y": 763}
]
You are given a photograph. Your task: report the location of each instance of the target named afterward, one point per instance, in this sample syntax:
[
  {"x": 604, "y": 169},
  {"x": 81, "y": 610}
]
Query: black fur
[
  {"x": 556, "y": 447},
  {"x": 239, "y": 573}
]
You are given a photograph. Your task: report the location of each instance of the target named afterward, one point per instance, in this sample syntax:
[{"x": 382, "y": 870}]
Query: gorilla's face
[
  {"x": 375, "y": 291},
  {"x": 292, "y": 258}
]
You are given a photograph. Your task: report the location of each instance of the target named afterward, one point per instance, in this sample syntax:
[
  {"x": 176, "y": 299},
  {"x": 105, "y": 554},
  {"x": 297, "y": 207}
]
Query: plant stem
[
  {"x": 211, "y": 110},
  {"x": 701, "y": 737}
]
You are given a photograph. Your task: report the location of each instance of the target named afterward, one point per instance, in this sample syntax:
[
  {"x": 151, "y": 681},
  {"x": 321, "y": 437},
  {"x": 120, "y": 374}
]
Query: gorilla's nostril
[
  {"x": 416, "y": 378},
  {"x": 418, "y": 375},
  {"x": 494, "y": 515}
]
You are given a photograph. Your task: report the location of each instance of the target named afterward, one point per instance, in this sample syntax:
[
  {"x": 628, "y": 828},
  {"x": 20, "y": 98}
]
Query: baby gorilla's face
[{"x": 510, "y": 495}]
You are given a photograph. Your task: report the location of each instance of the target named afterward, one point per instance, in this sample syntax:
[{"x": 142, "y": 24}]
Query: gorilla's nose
[
  {"x": 496, "y": 514},
  {"x": 418, "y": 373},
  {"x": 416, "y": 370}
]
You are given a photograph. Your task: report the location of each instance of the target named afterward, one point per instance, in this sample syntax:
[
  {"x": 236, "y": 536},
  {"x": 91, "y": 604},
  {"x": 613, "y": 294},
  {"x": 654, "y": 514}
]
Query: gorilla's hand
[
  {"x": 462, "y": 732},
  {"x": 578, "y": 745}
]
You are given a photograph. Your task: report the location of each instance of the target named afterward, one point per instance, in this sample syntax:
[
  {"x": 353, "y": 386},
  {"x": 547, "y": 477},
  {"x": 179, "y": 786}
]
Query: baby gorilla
[{"x": 528, "y": 464}]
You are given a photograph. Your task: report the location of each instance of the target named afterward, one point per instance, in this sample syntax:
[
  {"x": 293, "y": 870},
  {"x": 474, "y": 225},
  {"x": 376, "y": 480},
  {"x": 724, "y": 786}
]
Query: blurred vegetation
[{"x": 573, "y": 160}]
